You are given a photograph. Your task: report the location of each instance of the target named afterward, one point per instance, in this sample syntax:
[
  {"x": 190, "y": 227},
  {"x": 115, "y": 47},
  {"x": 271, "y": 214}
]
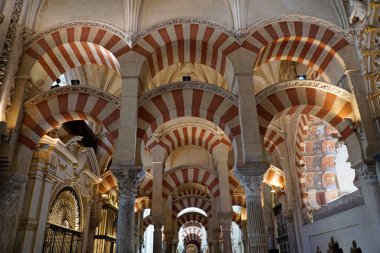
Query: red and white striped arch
[
  {"x": 108, "y": 183},
  {"x": 193, "y": 192},
  {"x": 177, "y": 177},
  {"x": 195, "y": 231},
  {"x": 141, "y": 204},
  {"x": 179, "y": 43},
  {"x": 275, "y": 144},
  {"x": 274, "y": 177},
  {"x": 55, "y": 107},
  {"x": 192, "y": 240},
  {"x": 105, "y": 150},
  {"x": 189, "y": 135},
  {"x": 236, "y": 217},
  {"x": 55, "y": 52},
  {"x": 146, "y": 186},
  {"x": 314, "y": 45},
  {"x": 182, "y": 203},
  {"x": 233, "y": 182},
  {"x": 164, "y": 104},
  {"x": 321, "y": 102},
  {"x": 272, "y": 139},
  {"x": 238, "y": 199},
  {"x": 192, "y": 216}
]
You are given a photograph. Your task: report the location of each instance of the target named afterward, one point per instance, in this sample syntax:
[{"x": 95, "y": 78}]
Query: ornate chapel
[{"x": 178, "y": 126}]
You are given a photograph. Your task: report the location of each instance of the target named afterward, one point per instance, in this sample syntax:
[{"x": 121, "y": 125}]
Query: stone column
[
  {"x": 225, "y": 211},
  {"x": 86, "y": 230},
  {"x": 157, "y": 237},
  {"x": 244, "y": 236},
  {"x": 225, "y": 223},
  {"x": 292, "y": 239},
  {"x": 252, "y": 178},
  {"x": 169, "y": 242},
  {"x": 128, "y": 178},
  {"x": 214, "y": 239},
  {"x": 367, "y": 182}
]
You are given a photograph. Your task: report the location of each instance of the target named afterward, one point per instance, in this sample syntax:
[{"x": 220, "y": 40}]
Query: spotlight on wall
[
  {"x": 75, "y": 82},
  {"x": 186, "y": 78},
  {"x": 301, "y": 77}
]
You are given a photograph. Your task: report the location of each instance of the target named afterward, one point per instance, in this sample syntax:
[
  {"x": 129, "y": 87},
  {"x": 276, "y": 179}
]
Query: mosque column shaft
[
  {"x": 157, "y": 206},
  {"x": 289, "y": 212},
  {"x": 169, "y": 242},
  {"x": 157, "y": 238},
  {"x": 86, "y": 228},
  {"x": 225, "y": 212},
  {"x": 127, "y": 179},
  {"x": 252, "y": 178}
]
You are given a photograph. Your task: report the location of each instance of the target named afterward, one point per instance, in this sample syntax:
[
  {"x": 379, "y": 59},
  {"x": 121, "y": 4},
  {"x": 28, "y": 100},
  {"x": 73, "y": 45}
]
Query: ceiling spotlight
[{"x": 301, "y": 77}]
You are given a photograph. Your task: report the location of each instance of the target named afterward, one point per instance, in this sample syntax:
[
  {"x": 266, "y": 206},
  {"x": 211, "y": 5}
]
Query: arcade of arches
[{"x": 139, "y": 126}]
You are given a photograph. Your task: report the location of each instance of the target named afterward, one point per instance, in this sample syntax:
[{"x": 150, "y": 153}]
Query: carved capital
[
  {"x": 366, "y": 173},
  {"x": 128, "y": 179},
  {"x": 252, "y": 184}
]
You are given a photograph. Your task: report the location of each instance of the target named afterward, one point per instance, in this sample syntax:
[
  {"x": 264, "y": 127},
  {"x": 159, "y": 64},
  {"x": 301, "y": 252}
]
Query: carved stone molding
[
  {"x": 187, "y": 20},
  {"x": 13, "y": 28},
  {"x": 367, "y": 173},
  {"x": 189, "y": 85},
  {"x": 1, "y": 18},
  {"x": 347, "y": 34},
  {"x": 303, "y": 83},
  {"x": 72, "y": 89},
  {"x": 342, "y": 204},
  {"x": 89, "y": 23}
]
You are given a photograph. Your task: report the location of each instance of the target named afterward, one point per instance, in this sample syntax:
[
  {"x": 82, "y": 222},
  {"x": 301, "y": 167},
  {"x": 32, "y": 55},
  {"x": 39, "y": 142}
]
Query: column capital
[
  {"x": 128, "y": 178},
  {"x": 255, "y": 168},
  {"x": 366, "y": 172}
]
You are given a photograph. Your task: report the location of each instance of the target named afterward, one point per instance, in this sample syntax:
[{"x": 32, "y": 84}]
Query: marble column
[
  {"x": 252, "y": 178},
  {"x": 157, "y": 237},
  {"x": 169, "y": 242},
  {"x": 157, "y": 206},
  {"x": 226, "y": 231},
  {"x": 225, "y": 211},
  {"x": 214, "y": 240},
  {"x": 128, "y": 178},
  {"x": 86, "y": 229},
  {"x": 367, "y": 182},
  {"x": 244, "y": 236}
]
